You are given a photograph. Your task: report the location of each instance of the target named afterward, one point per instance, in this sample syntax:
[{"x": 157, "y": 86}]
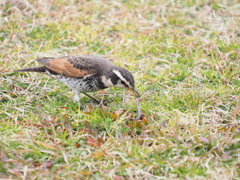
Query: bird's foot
[
  {"x": 104, "y": 102},
  {"x": 81, "y": 107}
]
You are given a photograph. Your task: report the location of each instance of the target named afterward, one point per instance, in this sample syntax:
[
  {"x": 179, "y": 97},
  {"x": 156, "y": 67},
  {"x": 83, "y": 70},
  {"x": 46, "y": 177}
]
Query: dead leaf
[
  {"x": 18, "y": 88},
  {"x": 85, "y": 131},
  {"x": 236, "y": 110},
  {"x": 86, "y": 173},
  {"x": 100, "y": 140},
  {"x": 89, "y": 108},
  {"x": 98, "y": 155},
  {"x": 116, "y": 177},
  {"x": 125, "y": 133},
  {"x": 117, "y": 113},
  {"x": 163, "y": 123},
  {"x": 13, "y": 95},
  {"x": 47, "y": 165},
  {"x": 135, "y": 124},
  {"x": 77, "y": 145},
  {"x": 36, "y": 164},
  {"x": 16, "y": 173},
  {"x": 91, "y": 142},
  {"x": 139, "y": 123},
  {"x": 30, "y": 124},
  {"x": 4, "y": 157},
  {"x": 203, "y": 140},
  {"x": 226, "y": 155},
  {"x": 87, "y": 112},
  {"x": 145, "y": 118},
  {"x": 114, "y": 116},
  {"x": 63, "y": 107},
  {"x": 238, "y": 165}
]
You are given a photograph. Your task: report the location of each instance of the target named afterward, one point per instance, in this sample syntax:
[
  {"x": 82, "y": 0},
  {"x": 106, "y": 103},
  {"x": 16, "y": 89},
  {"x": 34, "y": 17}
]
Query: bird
[{"x": 85, "y": 73}]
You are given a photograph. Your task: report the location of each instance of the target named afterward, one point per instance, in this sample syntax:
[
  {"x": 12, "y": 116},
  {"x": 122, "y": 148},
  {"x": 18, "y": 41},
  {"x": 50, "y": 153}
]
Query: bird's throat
[{"x": 107, "y": 81}]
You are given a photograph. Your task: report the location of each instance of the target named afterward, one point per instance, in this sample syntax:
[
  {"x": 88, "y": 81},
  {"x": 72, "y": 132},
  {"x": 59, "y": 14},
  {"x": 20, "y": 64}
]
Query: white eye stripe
[{"x": 121, "y": 77}]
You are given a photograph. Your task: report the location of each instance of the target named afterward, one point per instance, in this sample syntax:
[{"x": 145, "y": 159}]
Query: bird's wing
[{"x": 68, "y": 67}]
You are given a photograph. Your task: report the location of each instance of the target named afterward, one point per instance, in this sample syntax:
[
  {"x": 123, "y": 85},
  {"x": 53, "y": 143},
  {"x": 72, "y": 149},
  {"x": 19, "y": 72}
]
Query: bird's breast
[{"x": 86, "y": 84}]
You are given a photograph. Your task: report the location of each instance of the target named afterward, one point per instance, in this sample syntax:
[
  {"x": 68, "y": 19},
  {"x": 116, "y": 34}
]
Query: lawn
[{"x": 185, "y": 58}]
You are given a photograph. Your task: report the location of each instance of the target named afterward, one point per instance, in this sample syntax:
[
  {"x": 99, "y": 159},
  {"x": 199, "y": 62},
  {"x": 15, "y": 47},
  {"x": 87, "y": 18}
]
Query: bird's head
[{"x": 120, "y": 77}]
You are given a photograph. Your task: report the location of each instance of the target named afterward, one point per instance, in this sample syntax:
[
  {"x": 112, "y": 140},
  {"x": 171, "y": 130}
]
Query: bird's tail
[{"x": 34, "y": 69}]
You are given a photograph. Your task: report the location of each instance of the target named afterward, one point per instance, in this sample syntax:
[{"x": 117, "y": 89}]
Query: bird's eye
[{"x": 124, "y": 83}]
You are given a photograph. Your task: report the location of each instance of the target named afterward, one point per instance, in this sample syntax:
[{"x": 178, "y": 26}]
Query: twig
[{"x": 138, "y": 108}]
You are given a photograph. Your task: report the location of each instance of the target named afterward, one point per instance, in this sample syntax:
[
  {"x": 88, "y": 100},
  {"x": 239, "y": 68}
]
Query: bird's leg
[
  {"x": 77, "y": 98},
  {"x": 95, "y": 100}
]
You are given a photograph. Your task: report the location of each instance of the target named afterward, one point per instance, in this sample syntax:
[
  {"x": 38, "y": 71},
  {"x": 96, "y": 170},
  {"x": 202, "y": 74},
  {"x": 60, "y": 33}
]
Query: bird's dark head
[{"x": 120, "y": 77}]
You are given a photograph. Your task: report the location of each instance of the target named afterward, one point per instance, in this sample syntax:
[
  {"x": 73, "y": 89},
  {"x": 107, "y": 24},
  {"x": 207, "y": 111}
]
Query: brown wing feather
[{"x": 64, "y": 67}]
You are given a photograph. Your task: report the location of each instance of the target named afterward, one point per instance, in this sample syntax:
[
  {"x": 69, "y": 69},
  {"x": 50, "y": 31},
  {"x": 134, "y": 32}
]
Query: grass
[{"x": 185, "y": 59}]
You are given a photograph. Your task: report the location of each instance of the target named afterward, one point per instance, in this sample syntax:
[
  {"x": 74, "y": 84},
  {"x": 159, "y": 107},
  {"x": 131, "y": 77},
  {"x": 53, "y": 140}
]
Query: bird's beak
[{"x": 134, "y": 91}]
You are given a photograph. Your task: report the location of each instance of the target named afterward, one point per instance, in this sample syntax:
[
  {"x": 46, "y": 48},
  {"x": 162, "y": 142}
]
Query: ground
[{"x": 185, "y": 58}]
